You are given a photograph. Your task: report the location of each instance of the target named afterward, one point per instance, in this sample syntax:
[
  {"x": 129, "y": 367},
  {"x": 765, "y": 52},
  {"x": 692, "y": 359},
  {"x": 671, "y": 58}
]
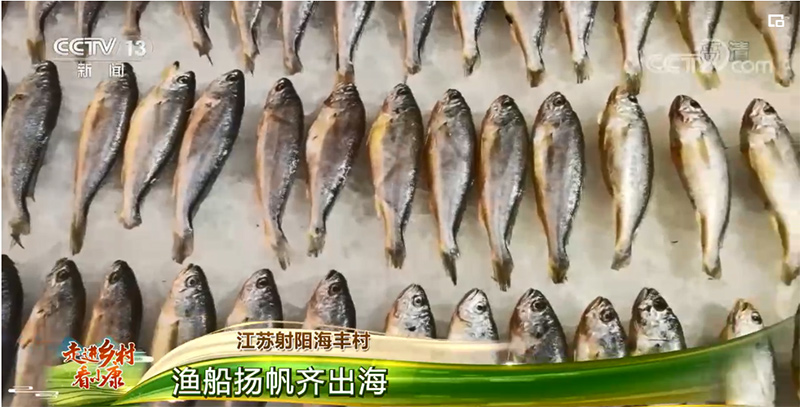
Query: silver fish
[
  {"x": 56, "y": 317},
  {"x": 27, "y": 125},
  {"x": 210, "y": 133},
  {"x": 87, "y": 12},
  {"x": 133, "y": 13},
  {"x": 294, "y": 19},
  {"x": 247, "y": 17},
  {"x": 117, "y": 314},
  {"x": 258, "y": 300},
  {"x": 767, "y": 148},
  {"x": 37, "y": 12},
  {"x": 633, "y": 19},
  {"x": 468, "y": 18},
  {"x": 578, "y": 20},
  {"x": 699, "y": 156},
  {"x": 697, "y": 21},
  {"x": 12, "y": 316},
  {"x": 351, "y": 18},
  {"x": 411, "y": 315},
  {"x": 331, "y": 305},
  {"x": 196, "y": 15},
  {"x": 536, "y": 335},
  {"x": 279, "y": 140},
  {"x": 415, "y": 23},
  {"x": 558, "y": 172},
  {"x": 528, "y": 20},
  {"x": 450, "y": 157},
  {"x": 105, "y": 125},
  {"x": 654, "y": 326},
  {"x": 395, "y": 143},
  {"x": 473, "y": 319},
  {"x": 750, "y": 374},
  {"x": 333, "y": 142},
  {"x": 781, "y": 40},
  {"x": 600, "y": 334},
  {"x": 626, "y": 156},
  {"x": 502, "y": 166}
]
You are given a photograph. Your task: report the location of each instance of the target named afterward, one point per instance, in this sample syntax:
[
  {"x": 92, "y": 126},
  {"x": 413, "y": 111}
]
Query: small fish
[
  {"x": 351, "y": 18},
  {"x": 294, "y": 19},
  {"x": 697, "y": 21},
  {"x": 528, "y": 20},
  {"x": 699, "y": 156},
  {"x": 395, "y": 142},
  {"x": 258, "y": 300},
  {"x": 781, "y": 40},
  {"x": 188, "y": 312},
  {"x": 331, "y": 305},
  {"x": 247, "y": 17},
  {"x": 600, "y": 334},
  {"x": 87, "y": 12},
  {"x": 56, "y": 317},
  {"x": 473, "y": 319},
  {"x": 279, "y": 140},
  {"x": 333, "y": 142},
  {"x": 535, "y": 331},
  {"x": 32, "y": 115},
  {"x": 559, "y": 168},
  {"x": 155, "y": 131},
  {"x": 626, "y": 156},
  {"x": 767, "y": 148},
  {"x": 196, "y": 15},
  {"x": 415, "y": 24},
  {"x": 117, "y": 314},
  {"x": 5, "y": 92},
  {"x": 450, "y": 158},
  {"x": 796, "y": 353},
  {"x": 210, "y": 133},
  {"x": 654, "y": 326},
  {"x": 750, "y": 374},
  {"x": 105, "y": 125},
  {"x": 503, "y": 162},
  {"x": 411, "y": 315},
  {"x": 37, "y": 12},
  {"x": 633, "y": 19},
  {"x": 133, "y": 14},
  {"x": 578, "y": 20},
  {"x": 12, "y": 316},
  {"x": 468, "y": 17}
]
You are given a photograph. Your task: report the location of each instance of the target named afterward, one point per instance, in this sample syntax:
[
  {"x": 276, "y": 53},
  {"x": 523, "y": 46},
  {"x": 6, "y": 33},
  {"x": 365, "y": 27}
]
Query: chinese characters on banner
[
  {"x": 109, "y": 362},
  {"x": 248, "y": 382},
  {"x": 115, "y": 70},
  {"x": 303, "y": 340}
]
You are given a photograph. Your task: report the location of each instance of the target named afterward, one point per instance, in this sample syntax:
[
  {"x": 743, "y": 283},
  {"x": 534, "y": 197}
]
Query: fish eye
[
  {"x": 756, "y": 318},
  {"x": 62, "y": 275},
  {"x": 607, "y": 316},
  {"x": 538, "y": 306},
  {"x": 660, "y": 304},
  {"x": 183, "y": 80},
  {"x": 191, "y": 281},
  {"x": 693, "y": 103},
  {"x": 559, "y": 101},
  {"x": 114, "y": 277},
  {"x": 481, "y": 308},
  {"x": 334, "y": 289},
  {"x": 412, "y": 329},
  {"x": 633, "y": 98},
  {"x": 280, "y": 86},
  {"x": 41, "y": 68},
  {"x": 231, "y": 76},
  {"x": 402, "y": 90},
  {"x": 262, "y": 282},
  {"x": 417, "y": 301},
  {"x": 768, "y": 109}
]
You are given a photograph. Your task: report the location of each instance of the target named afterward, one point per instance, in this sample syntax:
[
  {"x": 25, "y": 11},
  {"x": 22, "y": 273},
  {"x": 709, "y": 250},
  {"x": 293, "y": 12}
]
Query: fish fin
[
  {"x": 449, "y": 261},
  {"x": 292, "y": 64},
  {"x": 33, "y": 180},
  {"x": 182, "y": 245},
  {"x": 281, "y": 249},
  {"x": 472, "y": 62},
  {"x": 19, "y": 227},
  {"x": 583, "y": 69},
  {"x": 316, "y": 240},
  {"x": 558, "y": 269},
  {"x": 633, "y": 81},
  {"x": 249, "y": 63},
  {"x": 395, "y": 243},
  {"x": 789, "y": 272},
  {"x": 622, "y": 252},
  {"x": 130, "y": 217},
  {"x": 713, "y": 270},
  {"x": 708, "y": 79},
  {"x": 77, "y": 231},
  {"x": 535, "y": 77},
  {"x": 348, "y": 76},
  {"x": 36, "y": 49},
  {"x": 622, "y": 259},
  {"x": 503, "y": 265}
]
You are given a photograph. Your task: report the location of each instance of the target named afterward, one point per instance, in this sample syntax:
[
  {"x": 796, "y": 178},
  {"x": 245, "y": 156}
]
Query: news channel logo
[{"x": 101, "y": 49}]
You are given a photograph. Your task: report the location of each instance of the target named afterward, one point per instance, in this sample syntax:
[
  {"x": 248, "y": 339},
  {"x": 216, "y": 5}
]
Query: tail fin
[
  {"x": 183, "y": 245},
  {"x": 633, "y": 76},
  {"x": 711, "y": 263},
  {"x": 583, "y": 69},
  {"x": 316, "y": 240},
  {"x": 785, "y": 76},
  {"x": 471, "y": 62},
  {"x": 789, "y": 272},
  {"x": 449, "y": 257},
  {"x": 281, "y": 248},
  {"x": 535, "y": 77},
  {"x": 622, "y": 258},
  {"x": 249, "y": 63},
  {"x": 130, "y": 216},
  {"x": 131, "y": 31},
  {"x": 503, "y": 265},
  {"x": 394, "y": 240},
  {"x": 713, "y": 269},
  {"x": 204, "y": 49},
  {"x": 36, "y": 49},
  {"x": 19, "y": 226},
  {"x": 77, "y": 232},
  {"x": 291, "y": 61},
  {"x": 348, "y": 76},
  {"x": 707, "y": 74},
  {"x": 559, "y": 265}
]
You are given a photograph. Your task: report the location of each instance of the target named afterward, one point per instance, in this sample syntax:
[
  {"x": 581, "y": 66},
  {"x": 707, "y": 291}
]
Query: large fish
[
  {"x": 415, "y": 23},
  {"x": 247, "y": 17},
  {"x": 31, "y": 116},
  {"x": 37, "y": 12},
  {"x": 155, "y": 130},
  {"x": 210, "y": 133},
  {"x": 450, "y": 157},
  {"x": 117, "y": 313},
  {"x": 468, "y": 18},
  {"x": 279, "y": 140},
  {"x": 133, "y": 14},
  {"x": 411, "y": 315},
  {"x": 578, "y": 20},
  {"x": 558, "y": 172},
  {"x": 331, "y": 305},
  {"x": 56, "y": 317},
  {"x": 600, "y": 334},
  {"x": 699, "y": 156},
  {"x": 768, "y": 150},
  {"x": 528, "y": 20},
  {"x": 88, "y": 13},
  {"x": 294, "y": 20},
  {"x": 105, "y": 125},
  {"x": 697, "y": 21},
  {"x": 395, "y": 143},
  {"x": 12, "y": 316},
  {"x": 258, "y": 300},
  {"x": 626, "y": 156},
  {"x": 633, "y": 19},
  {"x": 333, "y": 142},
  {"x": 535, "y": 331},
  {"x": 473, "y": 319},
  {"x": 351, "y": 18},
  {"x": 196, "y": 15},
  {"x": 781, "y": 39},
  {"x": 503, "y": 162},
  {"x": 750, "y": 374},
  {"x": 654, "y": 326}
]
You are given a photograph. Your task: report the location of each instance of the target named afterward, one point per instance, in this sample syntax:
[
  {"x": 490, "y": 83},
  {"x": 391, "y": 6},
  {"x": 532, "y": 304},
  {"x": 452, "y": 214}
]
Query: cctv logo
[
  {"x": 84, "y": 47},
  {"x": 775, "y": 20}
]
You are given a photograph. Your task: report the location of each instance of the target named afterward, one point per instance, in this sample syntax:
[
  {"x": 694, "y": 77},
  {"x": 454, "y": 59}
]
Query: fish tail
[
  {"x": 535, "y": 77},
  {"x": 291, "y": 61},
  {"x": 131, "y": 31},
  {"x": 203, "y": 48},
  {"x": 316, "y": 240},
  {"x": 784, "y": 76},
  {"x": 472, "y": 61},
  {"x": 130, "y": 216},
  {"x": 183, "y": 245},
  {"x": 412, "y": 67},
  {"x": 622, "y": 258},
  {"x": 713, "y": 270},
  {"x": 583, "y": 69},
  {"x": 559, "y": 265},
  {"x": 707, "y": 74},
  {"x": 281, "y": 249},
  {"x": 36, "y": 49},
  {"x": 503, "y": 264},
  {"x": 346, "y": 75},
  {"x": 394, "y": 241},
  {"x": 396, "y": 252},
  {"x": 711, "y": 263},
  {"x": 249, "y": 63},
  {"x": 789, "y": 272},
  {"x": 19, "y": 227},
  {"x": 449, "y": 257},
  {"x": 77, "y": 232}
]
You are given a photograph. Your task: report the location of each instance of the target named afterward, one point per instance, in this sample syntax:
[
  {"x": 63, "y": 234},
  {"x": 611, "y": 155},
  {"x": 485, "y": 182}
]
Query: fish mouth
[
  {"x": 412, "y": 289},
  {"x": 334, "y": 275},
  {"x": 646, "y": 293},
  {"x": 600, "y": 303},
  {"x": 475, "y": 292}
]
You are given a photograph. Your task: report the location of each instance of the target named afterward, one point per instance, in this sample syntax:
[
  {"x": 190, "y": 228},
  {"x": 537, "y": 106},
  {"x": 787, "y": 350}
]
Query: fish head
[
  {"x": 743, "y": 319},
  {"x": 555, "y": 108},
  {"x": 600, "y": 320},
  {"x": 8, "y": 265},
  {"x": 282, "y": 92},
  {"x": 44, "y": 75},
  {"x": 411, "y": 314},
  {"x": 503, "y": 110},
  {"x": 190, "y": 289},
  {"x": 760, "y": 115},
  {"x": 65, "y": 283},
  {"x": 178, "y": 81},
  {"x": 331, "y": 302},
  {"x": 533, "y": 316},
  {"x": 474, "y": 310},
  {"x": 687, "y": 112},
  {"x": 400, "y": 99},
  {"x": 343, "y": 95},
  {"x": 624, "y": 102},
  {"x": 120, "y": 283},
  {"x": 260, "y": 295},
  {"x": 654, "y": 319},
  {"x": 452, "y": 103},
  {"x": 230, "y": 83}
]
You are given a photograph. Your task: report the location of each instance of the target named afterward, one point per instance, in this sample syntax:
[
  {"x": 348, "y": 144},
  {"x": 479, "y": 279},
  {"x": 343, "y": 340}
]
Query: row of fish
[
  {"x": 536, "y": 335},
  {"x": 697, "y": 22}
]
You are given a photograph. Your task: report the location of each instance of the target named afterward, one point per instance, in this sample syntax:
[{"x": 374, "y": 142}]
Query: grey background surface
[{"x": 229, "y": 242}]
